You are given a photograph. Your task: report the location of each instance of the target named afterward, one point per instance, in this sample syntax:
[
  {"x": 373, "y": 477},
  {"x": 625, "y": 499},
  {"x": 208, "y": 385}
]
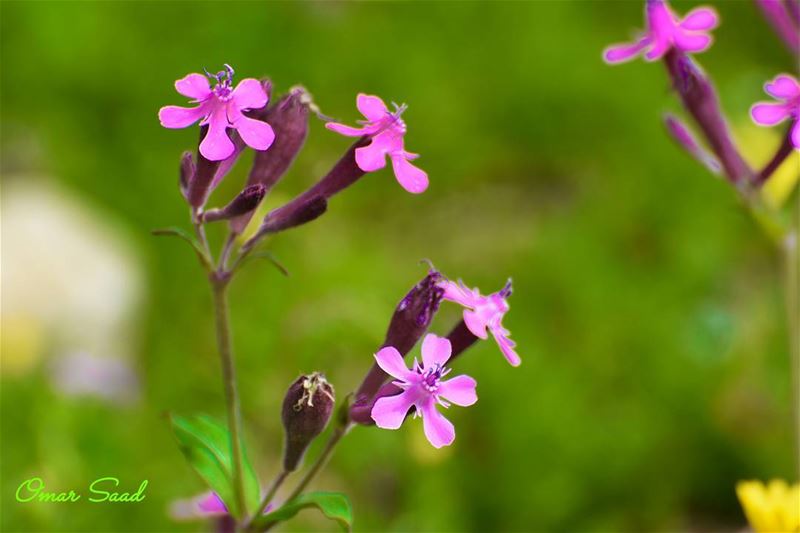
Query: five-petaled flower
[
  {"x": 423, "y": 388},
  {"x": 387, "y": 130},
  {"x": 786, "y": 89},
  {"x": 484, "y": 314},
  {"x": 220, "y": 107},
  {"x": 666, "y": 30}
]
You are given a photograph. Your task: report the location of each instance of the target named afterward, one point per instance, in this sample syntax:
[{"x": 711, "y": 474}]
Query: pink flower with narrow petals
[
  {"x": 387, "y": 130},
  {"x": 484, "y": 314},
  {"x": 423, "y": 388},
  {"x": 666, "y": 30},
  {"x": 220, "y": 107},
  {"x": 786, "y": 89}
]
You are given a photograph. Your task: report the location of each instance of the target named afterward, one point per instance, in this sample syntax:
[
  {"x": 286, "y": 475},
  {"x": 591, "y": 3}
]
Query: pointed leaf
[
  {"x": 333, "y": 505},
  {"x": 205, "y": 443},
  {"x": 189, "y": 238}
]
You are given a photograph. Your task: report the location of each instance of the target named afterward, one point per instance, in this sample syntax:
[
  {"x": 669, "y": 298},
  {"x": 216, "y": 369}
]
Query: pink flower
[
  {"x": 786, "y": 89},
  {"x": 484, "y": 314},
  {"x": 423, "y": 388},
  {"x": 220, "y": 108},
  {"x": 387, "y": 130},
  {"x": 206, "y": 505},
  {"x": 666, "y": 30}
]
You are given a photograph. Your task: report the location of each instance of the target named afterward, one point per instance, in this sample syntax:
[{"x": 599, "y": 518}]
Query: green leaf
[
  {"x": 205, "y": 443},
  {"x": 188, "y": 237},
  {"x": 272, "y": 259},
  {"x": 333, "y": 505}
]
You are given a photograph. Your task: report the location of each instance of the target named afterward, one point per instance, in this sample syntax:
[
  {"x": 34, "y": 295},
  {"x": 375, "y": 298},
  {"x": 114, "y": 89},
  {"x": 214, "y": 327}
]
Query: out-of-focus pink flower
[
  {"x": 387, "y": 130},
  {"x": 786, "y": 90},
  {"x": 220, "y": 107},
  {"x": 484, "y": 314},
  {"x": 666, "y": 30},
  {"x": 206, "y": 505},
  {"x": 423, "y": 388}
]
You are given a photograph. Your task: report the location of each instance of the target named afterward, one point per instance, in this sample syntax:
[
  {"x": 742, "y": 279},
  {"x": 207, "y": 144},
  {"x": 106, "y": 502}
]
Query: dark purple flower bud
[
  {"x": 245, "y": 202},
  {"x": 782, "y": 14},
  {"x": 204, "y": 172},
  {"x": 410, "y": 321},
  {"x": 684, "y": 137},
  {"x": 306, "y": 410},
  {"x": 313, "y": 202},
  {"x": 289, "y": 120},
  {"x": 186, "y": 173},
  {"x": 700, "y": 99}
]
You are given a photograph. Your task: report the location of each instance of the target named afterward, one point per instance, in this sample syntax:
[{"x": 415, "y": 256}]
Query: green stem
[
  {"x": 333, "y": 440},
  {"x": 273, "y": 489},
  {"x": 219, "y": 286},
  {"x": 792, "y": 255}
]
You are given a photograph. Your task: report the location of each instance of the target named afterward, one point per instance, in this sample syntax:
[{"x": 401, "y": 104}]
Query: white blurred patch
[{"x": 71, "y": 276}]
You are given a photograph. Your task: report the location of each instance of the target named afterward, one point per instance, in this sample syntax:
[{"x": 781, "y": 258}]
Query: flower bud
[
  {"x": 684, "y": 137},
  {"x": 344, "y": 173},
  {"x": 204, "y": 172},
  {"x": 186, "y": 173},
  {"x": 245, "y": 202},
  {"x": 410, "y": 321},
  {"x": 307, "y": 408},
  {"x": 699, "y": 97},
  {"x": 289, "y": 120}
]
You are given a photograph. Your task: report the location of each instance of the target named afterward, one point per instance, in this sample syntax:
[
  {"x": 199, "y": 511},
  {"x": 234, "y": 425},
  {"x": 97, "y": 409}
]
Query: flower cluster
[
  {"x": 421, "y": 387},
  {"x": 672, "y": 39},
  {"x": 233, "y": 118}
]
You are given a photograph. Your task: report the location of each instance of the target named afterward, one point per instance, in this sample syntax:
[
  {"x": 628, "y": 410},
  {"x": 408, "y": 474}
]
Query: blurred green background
[{"x": 647, "y": 305}]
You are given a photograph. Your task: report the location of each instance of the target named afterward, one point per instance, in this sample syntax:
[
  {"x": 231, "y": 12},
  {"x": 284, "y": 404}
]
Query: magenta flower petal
[
  {"x": 249, "y": 94},
  {"x": 256, "y": 134},
  {"x": 796, "y": 134},
  {"x": 390, "y": 360},
  {"x": 372, "y": 107},
  {"x": 475, "y": 324},
  {"x": 435, "y": 350},
  {"x": 390, "y": 411},
  {"x": 700, "y": 19},
  {"x": 769, "y": 114},
  {"x": 347, "y": 131},
  {"x": 692, "y": 42},
  {"x": 411, "y": 178},
  {"x": 194, "y": 86},
  {"x": 212, "y": 505},
  {"x": 216, "y": 145},
  {"x": 371, "y": 157},
  {"x": 457, "y": 292},
  {"x": 439, "y": 430},
  {"x": 783, "y": 87},
  {"x": 459, "y": 390},
  {"x": 506, "y": 345},
  {"x": 177, "y": 117},
  {"x": 619, "y": 53}
]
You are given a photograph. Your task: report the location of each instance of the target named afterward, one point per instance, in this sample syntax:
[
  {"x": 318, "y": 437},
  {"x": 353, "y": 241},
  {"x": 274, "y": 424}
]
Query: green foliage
[
  {"x": 205, "y": 443},
  {"x": 333, "y": 505}
]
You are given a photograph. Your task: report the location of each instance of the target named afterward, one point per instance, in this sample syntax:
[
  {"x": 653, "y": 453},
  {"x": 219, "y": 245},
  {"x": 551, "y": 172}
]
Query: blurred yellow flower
[{"x": 774, "y": 508}]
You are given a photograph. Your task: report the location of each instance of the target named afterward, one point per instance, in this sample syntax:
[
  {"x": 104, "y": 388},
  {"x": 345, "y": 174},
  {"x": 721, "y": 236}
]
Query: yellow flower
[{"x": 774, "y": 508}]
